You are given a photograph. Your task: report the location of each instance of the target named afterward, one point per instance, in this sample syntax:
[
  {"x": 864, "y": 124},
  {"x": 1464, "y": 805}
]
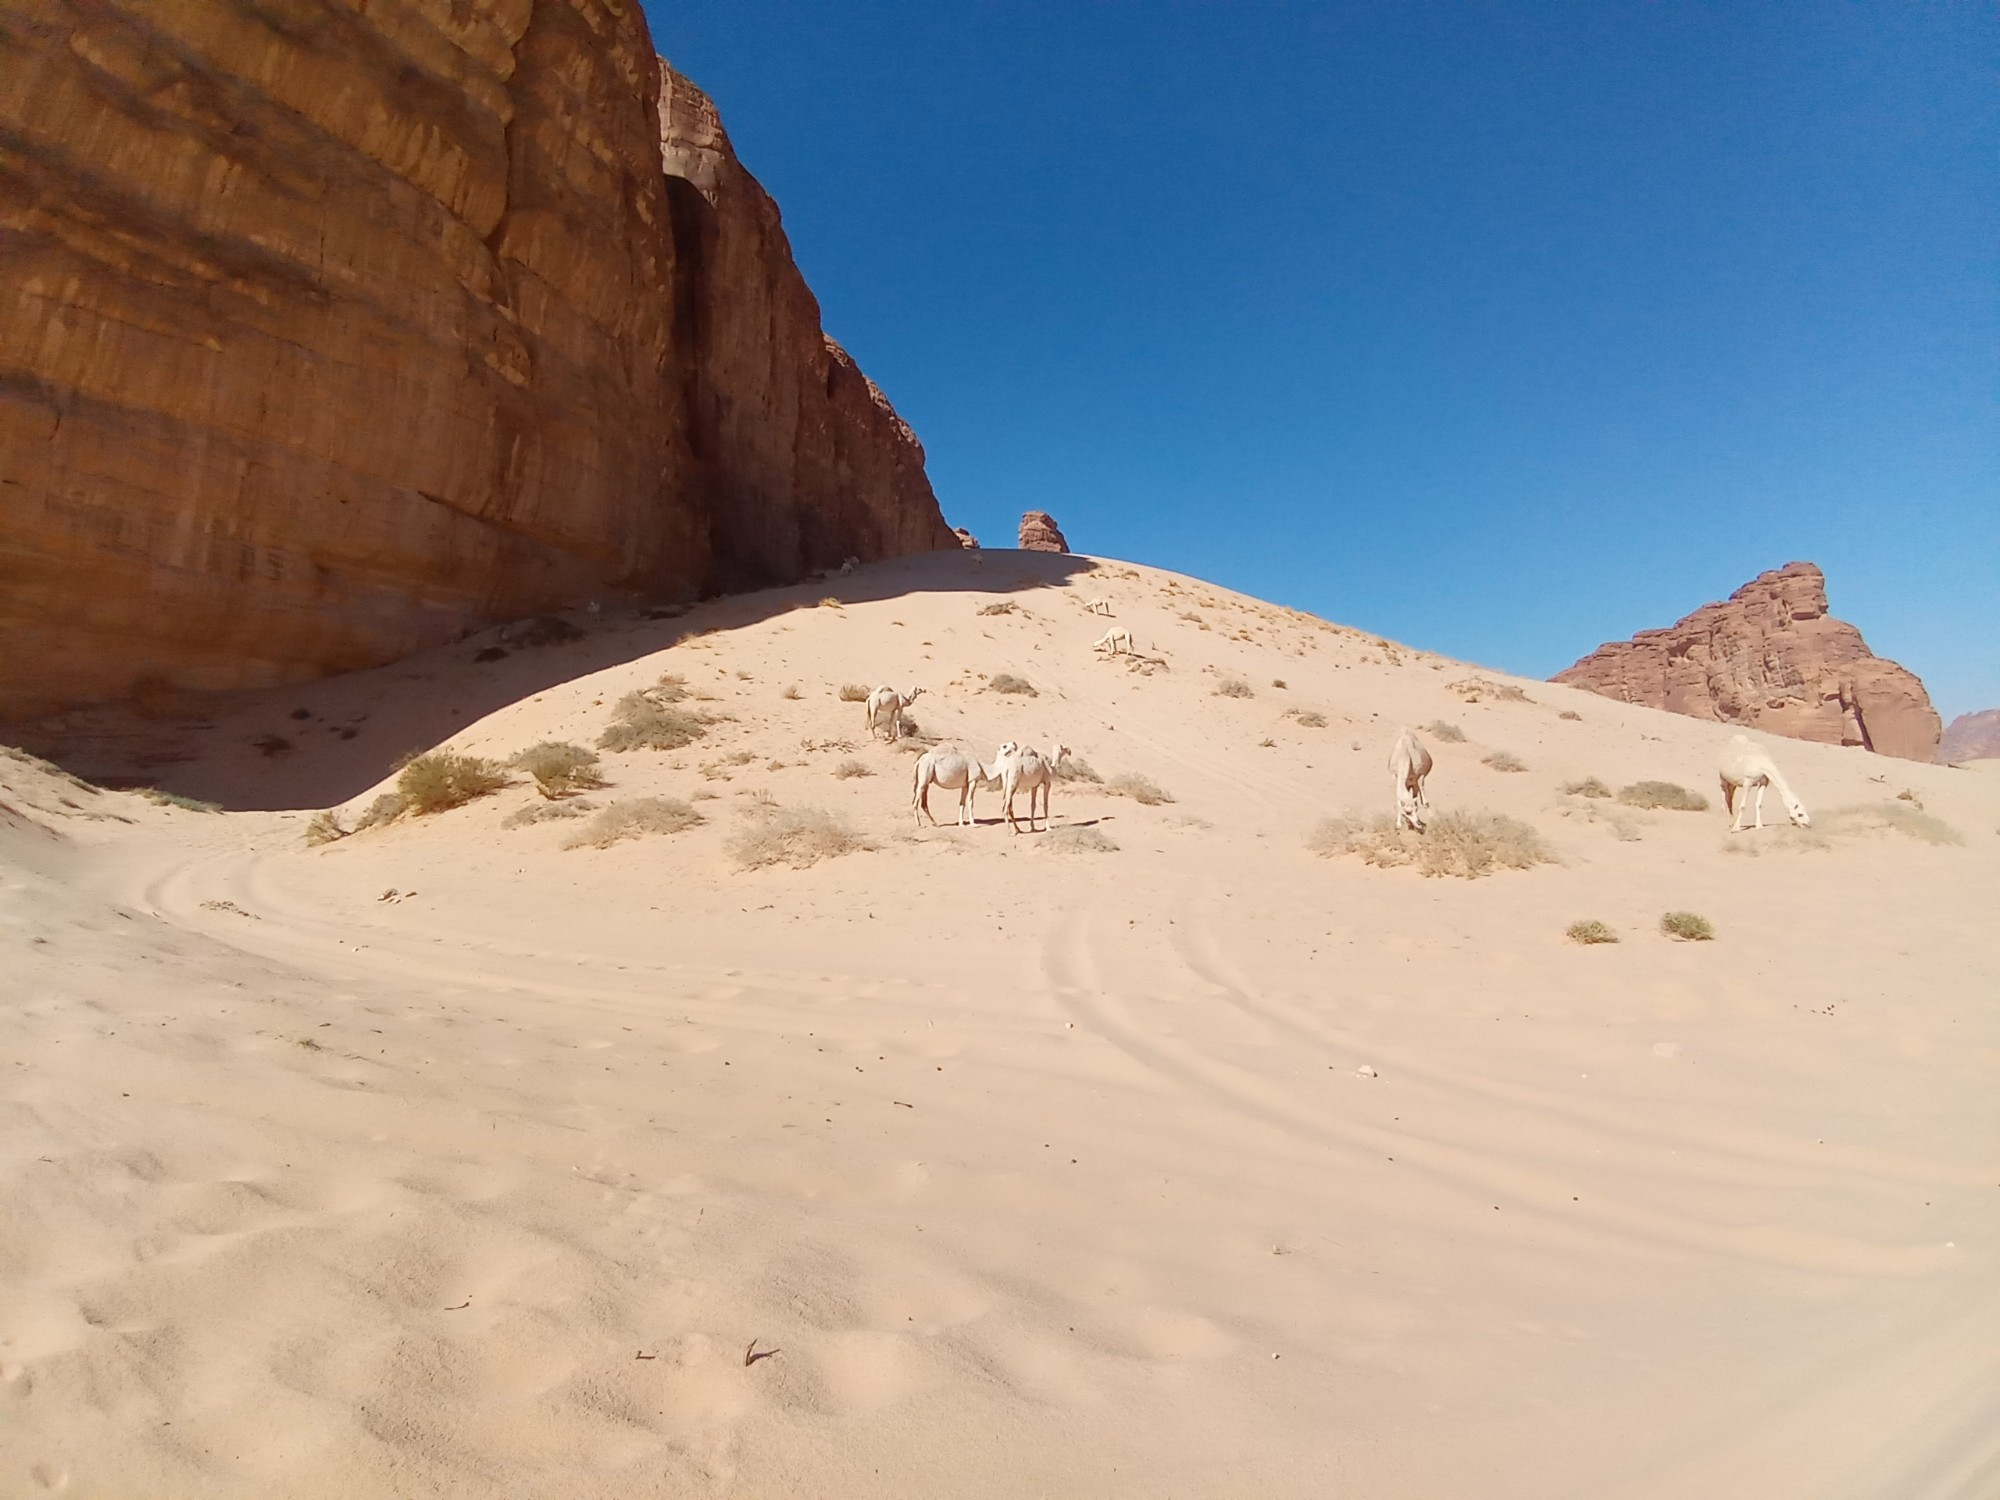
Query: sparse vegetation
[
  {"x": 1007, "y": 682},
  {"x": 1590, "y": 786},
  {"x": 325, "y": 828},
  {"x": 1449, "y": 734},
  {"x": 444, "y": 779},
  {"x": 1277, "y": 682},
  {"x": 1505, "y": 760},
  {"x": 1591, "y": 932},
  {"x": 643, "y": 722},
  {"x": 829, "y": 602},
  {"x": 1570, "y": 713},
  {"x": 850, "y": 768},
  {"x": 1312, "y": 718},
  {"x": 1076, "y": 768},
  {"x": 792, "y": 693},
  {"x": 1890, "y": 817},
  {"x": 1506, "y": 692},
  {"x": 1004, "y": 607},
  {"x": 175, "y": 799},
  {"x": 1662, "y": 794},
  {"x": 1233, "y": 687},
  {"x": 560, "y": 769},
  {"x": 384, "y": 809},
  {"x": 1139, "y": 788},
  {"x": 1074, "y": 840},
  {"x": 634, "y": 818},
  {"x": 1455, "y": 843},
  {"x": 796, "y": 836},
  {"x": 543, "y": 812},
  {"x": 853, "y": 692},
  {"x": 1687, "y": 927}
]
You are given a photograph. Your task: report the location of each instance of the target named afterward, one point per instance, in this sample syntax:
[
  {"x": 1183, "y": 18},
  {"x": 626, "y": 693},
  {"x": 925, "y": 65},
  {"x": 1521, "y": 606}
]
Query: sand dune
[{"x": 969, "y": 1164}]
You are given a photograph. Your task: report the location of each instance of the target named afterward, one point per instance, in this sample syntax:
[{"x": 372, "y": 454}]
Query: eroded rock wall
[
  {"x": 329, "y": 331},
  {"x": 1771, "y": 657}
]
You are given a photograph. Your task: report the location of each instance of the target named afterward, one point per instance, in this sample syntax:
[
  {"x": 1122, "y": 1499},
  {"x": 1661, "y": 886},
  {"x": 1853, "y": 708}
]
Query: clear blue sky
[{"x": 1502, "y": 329}]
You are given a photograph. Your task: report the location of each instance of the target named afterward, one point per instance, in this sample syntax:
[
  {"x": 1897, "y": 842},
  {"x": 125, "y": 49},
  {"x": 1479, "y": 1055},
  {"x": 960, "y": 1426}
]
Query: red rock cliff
[
  {"x": 1771, "y": 657},
  {"x": 327, "y": 332}
]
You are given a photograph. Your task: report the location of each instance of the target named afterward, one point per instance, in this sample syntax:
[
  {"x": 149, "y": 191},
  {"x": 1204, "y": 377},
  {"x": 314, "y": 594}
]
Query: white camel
[
  {"x": 1409, "y": 764},
  {"x": 1747, "y": 764},
  {"x": 1024, "y": 768},
  {"x": 1115, "y": 640},
  {"x": 1097, "y": 606},
  {"x": 949, "y": 767},
  {"x": 886, "y": 705}
]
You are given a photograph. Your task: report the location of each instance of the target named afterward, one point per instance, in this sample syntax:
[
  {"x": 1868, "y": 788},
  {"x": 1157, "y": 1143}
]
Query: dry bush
[
  {"x": 1007, "y": 682},
  {"x": 792, "y": 693},
  {"x": 642, "y": 722},
  {"x": 1139, "y": 788},
  {"x": 1505, "y": 760},
  {"x": 325, "y": 828},
  {"x": 1889, "y": 817},
  {"x": 1455, "y": 843},
  {"x": 795, "y": 836},
  {"x": 1004, "y": 607},
  {"x": 671, "y": 688},
  {"x": 1233, "y": 687},
  {"x": 1590, "y": 786},
  {"x": 850, "y": 768},
  {"x": 829, "y": 602},
  {"x": 1687, "y": 927},
  {"x": 634, "y": 818},
  {"x": 853, "y": 692},
  {"x": 444, "y": 779},
  {"x": 175, "y": 799},
  {"x": 1588, "y": 932},
  {"x": 1312, "y": 718},
  {"x": 1073, "y": 840},
  {"x": 1277, "y": 682},
  {"x": 384, "y": 809},
  {"x": 1076, "y": 768},
  {"x": 1662, "y": 794},
  {"x": 1449, "y": 734},
  {"x": 543, "y": 812},
  {"x": 1570, "y": 713},
  {"x": 559, "y": 768},
  {"x": 1506, "y": 692}
]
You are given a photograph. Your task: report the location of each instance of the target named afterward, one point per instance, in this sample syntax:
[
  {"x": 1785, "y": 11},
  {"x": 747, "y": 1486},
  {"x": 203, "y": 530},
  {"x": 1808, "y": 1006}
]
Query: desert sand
[{"x": 447, "y": 1160}]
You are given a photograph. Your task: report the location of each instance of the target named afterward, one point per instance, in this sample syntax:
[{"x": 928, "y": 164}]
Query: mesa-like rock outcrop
[
  {"x": 1771, "y": 657},
  {"x": 1971, "y": 737},
  {"x": 1039, "y": 533},
  {"x": 329, "y": 332}
]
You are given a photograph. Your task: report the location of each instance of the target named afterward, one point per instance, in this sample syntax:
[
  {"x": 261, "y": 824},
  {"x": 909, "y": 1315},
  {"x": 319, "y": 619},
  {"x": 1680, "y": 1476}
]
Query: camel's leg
[
  {"x": 1760, "y": 802},
  {"x": 924, "y": 801}
]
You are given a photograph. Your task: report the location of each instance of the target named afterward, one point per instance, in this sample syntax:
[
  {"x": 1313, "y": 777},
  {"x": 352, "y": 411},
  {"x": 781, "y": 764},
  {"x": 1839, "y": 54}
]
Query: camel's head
[
  {"x": 1058, "y": 753},
  {"x": 1798, "y": 811},
  {"x": 913, "y": 694}
]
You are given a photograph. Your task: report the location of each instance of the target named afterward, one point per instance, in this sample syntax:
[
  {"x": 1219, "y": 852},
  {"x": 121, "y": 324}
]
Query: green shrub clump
[
  {"x": 560, "y": 769},
  {"x": 1662, "y": 794},
  {"x": 1687, "y": 927},
  {"x": 1007, "y": 682},
  {"x": 642, "y": 721},
  {"x": 445, "y": 779},
  {"x": 1591, "y": 932}
]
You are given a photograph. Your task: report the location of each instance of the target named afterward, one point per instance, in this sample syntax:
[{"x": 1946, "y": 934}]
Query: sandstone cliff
[
  {"x": 327, "y": 333},
  {"x": 1039, "y": 533},
  {"x": 1772, "y": 658},
  {"x": 1971, "y": 737}
]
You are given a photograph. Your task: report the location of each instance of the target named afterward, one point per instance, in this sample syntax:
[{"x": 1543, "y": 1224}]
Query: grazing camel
[
  {"x": 1747, "y": 764},
  {"x": 886, "y": 704},
  {"x": 1409, "y": 764},
  {"x": 1115, "y": 640},
  {"x": 1032, "y": 770},
  {"x": 1097, "y": 606},
  {"x": 949, "y": 767}
]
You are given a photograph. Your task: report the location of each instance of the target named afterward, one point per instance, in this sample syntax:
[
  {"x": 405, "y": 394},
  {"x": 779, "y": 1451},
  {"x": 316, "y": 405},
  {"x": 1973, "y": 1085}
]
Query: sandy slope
[{"x": 1044, "y": 1173}]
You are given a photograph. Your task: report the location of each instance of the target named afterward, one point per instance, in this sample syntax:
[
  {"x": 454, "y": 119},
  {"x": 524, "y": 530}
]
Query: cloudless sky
[{"x": 1502, "y": 329}]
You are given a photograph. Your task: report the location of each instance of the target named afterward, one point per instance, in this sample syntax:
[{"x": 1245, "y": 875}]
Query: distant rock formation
[
  {"x": 1772, "y": 658},
  {"x": 965, "y": 538},
  {"x": 1039, "y": 533},
  {"x": 1971, "y": 737},
  {"x": 330, "y": 331}
]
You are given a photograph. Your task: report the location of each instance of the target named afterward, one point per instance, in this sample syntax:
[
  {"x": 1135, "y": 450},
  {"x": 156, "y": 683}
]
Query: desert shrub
[
  {"x": 1076, "y": 768},
  {"x": 325, "y": 828},
  {"x": 1277, "y": 682},
  {"x": 634, "y": 818},
  {"x": 445, "y": 779},
  {"x": 1505, "y": 760},
  {"x": 671, "y": 688},
  {"x": 1570, "y": 713},
  {"x": 1662, "y": 794},
  {"x": 642, "y": 722},
  {"x": 792, "y": 693},
  {"x": 1590, "y": 786},
  {"x": 1591, "y": 932},
  {"x": 796, "y": 836},
  {"x": 384, "y": 809},
  {"x": 175, "y": 799},
  {"x": 1687, "y": 927},
  {"x": 1889, "y": 817},
  {"x": 1233, "y": 687},
  {"x": 1312, "y": 718},
  {"x": 1072, "y": 840},
  {"x": 1007, "y": 682},
  {"x": 1449, "y": 734},
  {"x": 1455, "y": 843},
  {"x": 544, "y": 812},
  {"x": 850, "y": 768},
  {"x": 1138, "y": 788},
  {"x": 559, "y": 768},
  {"x": 1506, "y": 692},
  {"x": 829, "y": 602},
  {"x": 1004, "y": 607},
  {"x": 853, "y": 692}
]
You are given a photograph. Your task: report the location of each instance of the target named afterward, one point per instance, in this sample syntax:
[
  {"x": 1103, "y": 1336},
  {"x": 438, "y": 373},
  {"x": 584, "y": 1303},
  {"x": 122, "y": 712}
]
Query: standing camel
[
  {"x": 1747, "y": 764},
  {"x": 1409, "y": 764}
]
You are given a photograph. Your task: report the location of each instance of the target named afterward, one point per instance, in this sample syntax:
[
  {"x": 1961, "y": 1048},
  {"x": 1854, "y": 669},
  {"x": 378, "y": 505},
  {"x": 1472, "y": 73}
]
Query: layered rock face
[
  {"x": 1039, "y": 533},
  {"x": 1971, "y": 737},
  {"x": 327, "y": 333},
  {"x": 1771, "y": 657}
]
